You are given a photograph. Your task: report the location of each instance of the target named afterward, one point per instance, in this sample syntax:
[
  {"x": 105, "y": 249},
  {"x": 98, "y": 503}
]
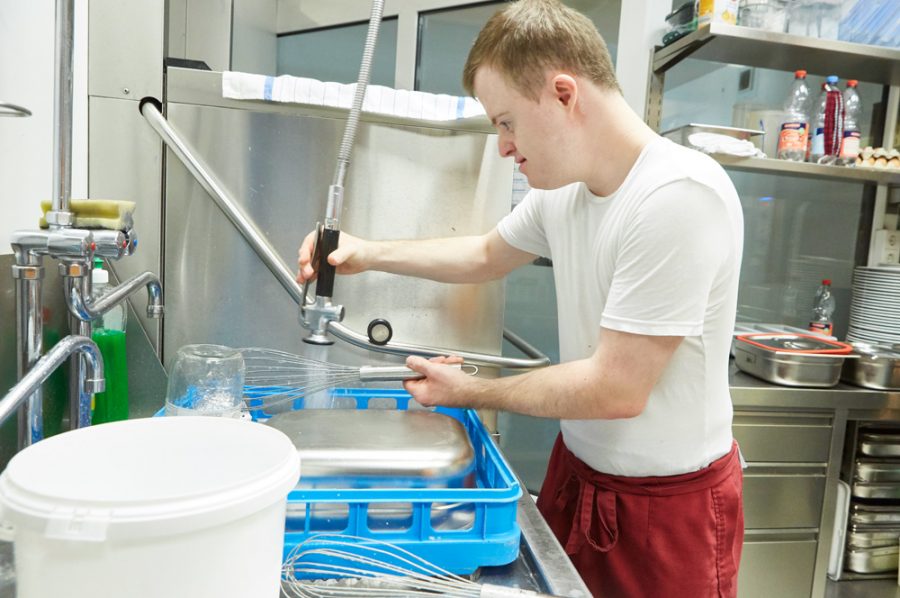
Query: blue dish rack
[{"x": 457, "y": 529}]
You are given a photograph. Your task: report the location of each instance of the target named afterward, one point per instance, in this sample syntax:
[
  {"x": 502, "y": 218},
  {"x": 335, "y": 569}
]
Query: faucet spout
[
  {"x": 87, "y": 309},
  {"x": 46, "y": 365}
]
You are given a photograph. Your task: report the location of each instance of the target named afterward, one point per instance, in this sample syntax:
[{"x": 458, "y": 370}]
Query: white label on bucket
[{"x": 78, "y": 524}]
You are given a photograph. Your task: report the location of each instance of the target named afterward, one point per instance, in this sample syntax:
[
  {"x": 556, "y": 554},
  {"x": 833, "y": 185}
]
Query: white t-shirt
[{"x": 660, "y": 256}]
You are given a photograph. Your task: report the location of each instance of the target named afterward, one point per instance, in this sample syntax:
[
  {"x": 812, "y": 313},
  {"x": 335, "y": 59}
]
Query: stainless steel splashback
[{"x": 406, "y": 180}]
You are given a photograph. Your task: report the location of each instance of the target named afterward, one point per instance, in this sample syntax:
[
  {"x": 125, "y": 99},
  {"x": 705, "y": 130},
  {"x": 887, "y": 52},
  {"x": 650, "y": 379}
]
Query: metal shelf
[
  {"x": 816, "y": 171},
  {"x": 781, "y": 51}
]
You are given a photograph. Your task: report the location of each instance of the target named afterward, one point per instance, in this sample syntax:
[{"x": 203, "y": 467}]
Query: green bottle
[{"x": 109, "y": 334}]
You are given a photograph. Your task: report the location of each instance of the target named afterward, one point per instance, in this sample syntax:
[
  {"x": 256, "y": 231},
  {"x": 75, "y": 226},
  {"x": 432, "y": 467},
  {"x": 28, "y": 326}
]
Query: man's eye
[{"x": 505, "y": 126}]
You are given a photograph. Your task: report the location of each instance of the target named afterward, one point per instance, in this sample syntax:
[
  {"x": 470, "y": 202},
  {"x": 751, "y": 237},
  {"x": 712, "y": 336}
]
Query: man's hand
[
  {"x": 442, "y": 385},
  {"x": 348, "y": 258}
]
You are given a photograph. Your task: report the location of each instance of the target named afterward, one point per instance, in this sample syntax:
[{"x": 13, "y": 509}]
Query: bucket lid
[{"x": 148, "y": 477}]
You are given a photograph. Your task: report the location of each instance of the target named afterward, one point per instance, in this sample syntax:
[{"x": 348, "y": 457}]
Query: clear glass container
[
  {"x": 763, "y": 14},
  {"x": 206, "y": 380}
]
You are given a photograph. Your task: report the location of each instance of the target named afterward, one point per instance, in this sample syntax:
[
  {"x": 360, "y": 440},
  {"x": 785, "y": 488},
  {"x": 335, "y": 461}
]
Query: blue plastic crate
[{"x": 456, "y": 528}]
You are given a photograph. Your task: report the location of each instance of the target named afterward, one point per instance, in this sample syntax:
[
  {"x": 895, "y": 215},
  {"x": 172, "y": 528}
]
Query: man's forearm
[
  {"x": 454, "y": 259},
  {"x": 572, "y": 390}
]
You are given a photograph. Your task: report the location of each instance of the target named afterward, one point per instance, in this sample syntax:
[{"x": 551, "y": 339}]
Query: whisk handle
[
  {"x": 492, "y": 591},
  {"x": 373, "y": 373}
]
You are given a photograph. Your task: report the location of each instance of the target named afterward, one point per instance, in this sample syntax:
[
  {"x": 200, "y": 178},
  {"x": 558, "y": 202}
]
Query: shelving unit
[
  {"x": 805, "y": 541},
  {"x": 733, "y": 44}
]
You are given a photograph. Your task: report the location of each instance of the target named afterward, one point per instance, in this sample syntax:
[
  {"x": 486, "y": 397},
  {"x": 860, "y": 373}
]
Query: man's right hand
[{"x": 348, "y": 258}]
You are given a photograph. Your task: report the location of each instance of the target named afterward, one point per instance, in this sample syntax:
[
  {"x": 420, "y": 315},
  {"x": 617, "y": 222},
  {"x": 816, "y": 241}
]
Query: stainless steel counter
[
  {"x": 542, "y": 564},
  {"x": 752, "y": 393}
]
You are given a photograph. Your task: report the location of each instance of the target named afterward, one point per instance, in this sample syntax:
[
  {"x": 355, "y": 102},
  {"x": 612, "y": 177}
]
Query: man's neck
[{"x": 615, "y": 138}]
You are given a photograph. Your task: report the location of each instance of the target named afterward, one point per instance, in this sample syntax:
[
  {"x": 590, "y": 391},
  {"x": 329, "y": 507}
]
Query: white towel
[
  {"x": 715, "y": 143},
  {"x": 380, "y": 99}
]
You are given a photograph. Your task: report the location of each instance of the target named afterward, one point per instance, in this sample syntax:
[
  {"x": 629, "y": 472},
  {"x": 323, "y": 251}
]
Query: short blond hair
[{"x": 528, "y": 37}]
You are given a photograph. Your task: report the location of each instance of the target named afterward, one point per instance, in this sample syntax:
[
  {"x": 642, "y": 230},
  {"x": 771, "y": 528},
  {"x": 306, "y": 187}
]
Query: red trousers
[{"x": 678, "y": 536}]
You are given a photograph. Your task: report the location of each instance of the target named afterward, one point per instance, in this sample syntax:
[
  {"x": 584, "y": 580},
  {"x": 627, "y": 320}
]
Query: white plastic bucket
[{"x": 151, "y": 508}]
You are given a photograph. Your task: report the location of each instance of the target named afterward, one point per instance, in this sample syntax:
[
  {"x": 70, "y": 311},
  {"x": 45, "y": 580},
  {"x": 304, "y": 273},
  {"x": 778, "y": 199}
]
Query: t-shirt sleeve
[
  {"x": 523, "y": 228},
  {"x": 668, "y": 260}
]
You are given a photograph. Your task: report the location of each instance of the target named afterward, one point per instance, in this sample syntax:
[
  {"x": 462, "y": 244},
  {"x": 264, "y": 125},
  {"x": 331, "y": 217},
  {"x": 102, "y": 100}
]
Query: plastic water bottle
[
  {"x": 794, "y": 135},
  {"x": 823, "y": 310},
  {"x": 827, "y": 133},
  {"x": 109, "y": 334},
  {"x": 852, "y": 109}
]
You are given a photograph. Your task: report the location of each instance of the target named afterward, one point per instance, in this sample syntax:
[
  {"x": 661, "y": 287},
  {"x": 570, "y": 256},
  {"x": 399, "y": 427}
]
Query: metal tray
[
  {"x": 681, "y": 134},
  {"x": 876, "y": 367},
  {"x": 378, "y": 444},
  {"x": 872, "y": 560},
  {"x": 875, "y": 515},
  {"x": 879, "y": 445},
  {"x": 872, "y": 536},
  {"x": 877, "y": 470},
  {"x": 882, "y": 490},
  {"x": 788, "y": 368}
]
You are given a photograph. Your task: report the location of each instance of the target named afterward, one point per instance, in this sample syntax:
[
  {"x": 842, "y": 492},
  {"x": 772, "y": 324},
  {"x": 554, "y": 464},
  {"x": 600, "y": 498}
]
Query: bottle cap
[
  {"x": 826, "y": 281},
  {"x": 801, "y": 74},
  {"x": 832, "y": 79},
  {"x": 98, "y": 274},
  {"x": 852, "y": 83}
]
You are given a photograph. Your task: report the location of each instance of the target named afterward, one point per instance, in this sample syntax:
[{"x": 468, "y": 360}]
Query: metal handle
[{"x": 7, "y": 109}]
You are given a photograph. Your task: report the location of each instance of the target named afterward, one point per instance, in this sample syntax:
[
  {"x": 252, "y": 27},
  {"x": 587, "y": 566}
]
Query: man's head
[
  {"x": 541, "y": 70},
  {"x": 527, "y": 38}
]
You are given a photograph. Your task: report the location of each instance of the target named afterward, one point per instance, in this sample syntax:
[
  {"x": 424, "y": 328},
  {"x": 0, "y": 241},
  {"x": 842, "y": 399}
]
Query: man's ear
[{"x": 565, "y": 89}]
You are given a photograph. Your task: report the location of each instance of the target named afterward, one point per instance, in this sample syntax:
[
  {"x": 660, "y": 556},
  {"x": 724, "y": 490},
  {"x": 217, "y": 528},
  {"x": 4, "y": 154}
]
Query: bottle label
[
  {"x": 793, "y": 137},
  {"x": 826, "y": 328},
  {"x": 817, "y": 144},
  {"x": 850, "y": 144}
]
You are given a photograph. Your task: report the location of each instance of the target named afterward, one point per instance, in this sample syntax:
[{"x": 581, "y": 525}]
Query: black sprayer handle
[{"x": 327, "y": 244}]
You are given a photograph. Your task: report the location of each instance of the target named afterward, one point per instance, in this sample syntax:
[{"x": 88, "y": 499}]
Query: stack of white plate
[{"x": 875, "y": 305}]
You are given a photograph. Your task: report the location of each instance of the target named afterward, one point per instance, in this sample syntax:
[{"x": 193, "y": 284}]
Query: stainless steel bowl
[{"x": 876, "y": 366}]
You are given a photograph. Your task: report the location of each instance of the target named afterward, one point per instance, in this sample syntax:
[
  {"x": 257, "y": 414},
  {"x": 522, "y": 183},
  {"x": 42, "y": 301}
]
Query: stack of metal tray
[{"x": 873, "y": 534}]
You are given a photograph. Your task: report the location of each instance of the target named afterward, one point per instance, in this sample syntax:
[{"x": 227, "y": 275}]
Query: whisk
[
  {"x": 339, "y": 566},
  {"x": 273, "y": 377}
]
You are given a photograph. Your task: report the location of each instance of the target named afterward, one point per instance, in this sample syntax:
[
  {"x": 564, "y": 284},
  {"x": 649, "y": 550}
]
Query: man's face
[{"x": 529, "y": 131}]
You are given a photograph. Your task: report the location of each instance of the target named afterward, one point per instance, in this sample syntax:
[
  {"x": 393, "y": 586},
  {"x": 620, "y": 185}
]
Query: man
[{"x": 643, "y": 489}]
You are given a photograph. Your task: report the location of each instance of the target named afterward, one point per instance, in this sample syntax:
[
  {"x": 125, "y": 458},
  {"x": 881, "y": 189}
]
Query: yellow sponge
[{"x": 109, "y": 214}]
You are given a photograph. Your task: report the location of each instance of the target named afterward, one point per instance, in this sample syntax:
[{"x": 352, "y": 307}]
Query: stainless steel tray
[
  {"x": 875, "y": 515},
  {"x": 879, "y": 445},
  {"x": 877, "y": 470},
  {"x": 883, "y": 490},
  {"x": 377, "y": 443},
  {"x": 788, "y": 369},
  {"x": 872, "y": 560},
  {"x": 876, "y": 367},
  {"x": 682, "y": 134},
  {"x": 872, "y": 536}
]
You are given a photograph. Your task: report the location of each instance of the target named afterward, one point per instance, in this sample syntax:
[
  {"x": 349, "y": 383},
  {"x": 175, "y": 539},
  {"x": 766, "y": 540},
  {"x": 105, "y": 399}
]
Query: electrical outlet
[{"x": 886, "y": 246}]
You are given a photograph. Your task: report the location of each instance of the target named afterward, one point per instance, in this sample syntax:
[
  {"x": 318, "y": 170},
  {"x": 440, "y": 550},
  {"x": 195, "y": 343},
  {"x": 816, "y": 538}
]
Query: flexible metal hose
[
  {"x": 361, "y": 84},
  {"x": 329, "y": 239}
]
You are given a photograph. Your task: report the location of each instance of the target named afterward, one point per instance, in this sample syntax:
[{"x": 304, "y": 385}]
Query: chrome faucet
[
  {"x": 30, "y": 384},
  {"x": 88, "y": 308}
]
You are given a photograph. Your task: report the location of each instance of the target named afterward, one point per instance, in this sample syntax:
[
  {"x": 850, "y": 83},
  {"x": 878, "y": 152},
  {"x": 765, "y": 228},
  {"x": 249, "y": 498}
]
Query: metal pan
[
  {"x": 877, "y": 470},
  {"x": 872, "y": 560}
]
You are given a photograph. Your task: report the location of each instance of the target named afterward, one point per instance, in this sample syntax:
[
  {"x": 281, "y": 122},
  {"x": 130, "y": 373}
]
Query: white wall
[{"x": 27, "y": 33}]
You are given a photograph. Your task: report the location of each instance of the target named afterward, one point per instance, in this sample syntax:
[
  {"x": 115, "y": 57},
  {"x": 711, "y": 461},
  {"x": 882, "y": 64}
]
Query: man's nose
[{"x": 507, "y": 148}]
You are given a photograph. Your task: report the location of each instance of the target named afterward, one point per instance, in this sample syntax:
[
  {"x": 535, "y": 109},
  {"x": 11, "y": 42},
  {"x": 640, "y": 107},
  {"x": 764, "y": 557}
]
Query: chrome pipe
[
  {"x": 354, "y": 338},
  {"x": 45, "y": 366},
  {"x": 188, "y": 156},
  {"x": 29, "y": 273},
  {"x": 79, "y": 400},
  {"x": 87, "y": 308},
  {"x": 7, "y": 109},
  {"x": 62, "y": 114}
]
